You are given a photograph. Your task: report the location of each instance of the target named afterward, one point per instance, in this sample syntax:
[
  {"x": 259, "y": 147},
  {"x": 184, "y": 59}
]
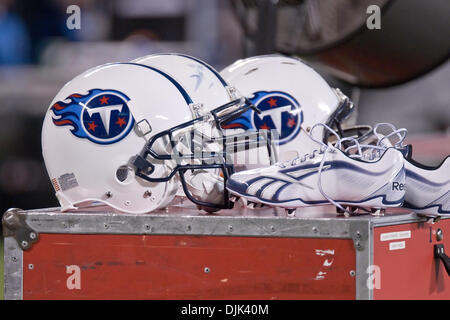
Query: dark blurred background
[{"x": 406, "y": 81}]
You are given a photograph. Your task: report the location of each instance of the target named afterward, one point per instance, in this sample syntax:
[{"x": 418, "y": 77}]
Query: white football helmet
[
  {"x": 124, "y": 133},
  {"x": 291, "y": 97}
]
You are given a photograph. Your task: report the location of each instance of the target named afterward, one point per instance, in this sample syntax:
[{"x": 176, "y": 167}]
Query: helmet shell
[
  {"x": 292, "y": 96},
  {"x": 91, "y": 132}
]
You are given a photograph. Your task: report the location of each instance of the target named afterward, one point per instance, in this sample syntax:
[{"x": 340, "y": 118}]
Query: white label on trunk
[
  {"x": 395, "y": 235},
  {"x": 397, "y": 245}
]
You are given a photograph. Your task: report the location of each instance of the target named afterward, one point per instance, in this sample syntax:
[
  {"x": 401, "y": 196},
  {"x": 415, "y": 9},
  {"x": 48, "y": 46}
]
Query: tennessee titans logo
[
  {"x": 279, "y": 111},
  {"x": 101, "y": 116}
]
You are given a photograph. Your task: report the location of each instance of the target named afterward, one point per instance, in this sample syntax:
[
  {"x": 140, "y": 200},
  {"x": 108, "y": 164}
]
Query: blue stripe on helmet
[{"x": 185, "y": 95}]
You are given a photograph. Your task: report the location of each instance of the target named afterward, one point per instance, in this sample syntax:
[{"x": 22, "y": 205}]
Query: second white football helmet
[{"x": 292, "y": 98}]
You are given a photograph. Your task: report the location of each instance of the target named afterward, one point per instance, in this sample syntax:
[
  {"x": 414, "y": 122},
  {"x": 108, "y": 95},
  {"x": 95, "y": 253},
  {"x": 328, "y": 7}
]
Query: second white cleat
[{"x": 428, "y": 188}]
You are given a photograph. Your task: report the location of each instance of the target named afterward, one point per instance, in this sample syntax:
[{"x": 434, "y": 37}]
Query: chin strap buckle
[{"x": 141, "y": 164}]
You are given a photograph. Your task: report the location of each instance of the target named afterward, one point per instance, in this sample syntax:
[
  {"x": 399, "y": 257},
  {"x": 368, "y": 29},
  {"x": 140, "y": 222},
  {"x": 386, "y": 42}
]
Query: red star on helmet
[
  {"x": 120, "y": 121},
  {"x": 291, "y": 122},
  {"x": 264, "y": 126},
  {"x": 104, "y": 100},
  {"x": 272, "y": 102},
  {"x": 92, "y": 126}
]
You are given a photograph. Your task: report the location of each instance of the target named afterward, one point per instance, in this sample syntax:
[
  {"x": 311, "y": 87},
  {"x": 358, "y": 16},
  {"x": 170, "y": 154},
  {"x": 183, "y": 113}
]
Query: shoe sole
[
  {"x": 376, "y": 202},
  {"x": 431, "y": 211}
]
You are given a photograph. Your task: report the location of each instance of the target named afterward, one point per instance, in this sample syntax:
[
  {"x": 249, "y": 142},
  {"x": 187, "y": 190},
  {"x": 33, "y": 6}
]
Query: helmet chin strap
[
  {"x": 339, "y": 128},
  {"x": 345, "y": 143}
]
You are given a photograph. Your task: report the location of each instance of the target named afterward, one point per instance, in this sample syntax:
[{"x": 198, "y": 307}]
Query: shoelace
[
  {"x": 309, "y": 156},
  {"x": 400, "y": 133},
  {"x": 329, "y": 148},
  {"x": 381, "y": 146},
  {"x": 375, "y": 150}
]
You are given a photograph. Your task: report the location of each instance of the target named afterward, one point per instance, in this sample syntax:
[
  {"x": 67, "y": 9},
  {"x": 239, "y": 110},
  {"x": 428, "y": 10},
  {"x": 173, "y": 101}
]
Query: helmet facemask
[{"x": 201, "y": 154}]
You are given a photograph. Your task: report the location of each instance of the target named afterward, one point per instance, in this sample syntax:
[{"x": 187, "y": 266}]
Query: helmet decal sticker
[
  {"x": 200, "y": 62},
  {"x": 198, "y": 75},
  {"x": 101, "y": 116},
  {"x": 279, "y": 111}
]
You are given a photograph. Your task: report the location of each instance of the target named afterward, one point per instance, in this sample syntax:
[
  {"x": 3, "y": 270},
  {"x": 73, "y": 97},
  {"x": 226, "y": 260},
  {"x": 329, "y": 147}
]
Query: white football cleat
[
  {"x": 427, "y": 188},
  {"x": 324, "y": 176}
]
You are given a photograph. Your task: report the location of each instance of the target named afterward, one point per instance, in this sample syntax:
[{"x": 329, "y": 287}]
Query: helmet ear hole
[{"x": 124, "y": 174}]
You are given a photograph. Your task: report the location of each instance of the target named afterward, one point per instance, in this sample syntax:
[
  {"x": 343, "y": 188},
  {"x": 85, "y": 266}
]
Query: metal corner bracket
[{"x": 14, "y": 225}]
